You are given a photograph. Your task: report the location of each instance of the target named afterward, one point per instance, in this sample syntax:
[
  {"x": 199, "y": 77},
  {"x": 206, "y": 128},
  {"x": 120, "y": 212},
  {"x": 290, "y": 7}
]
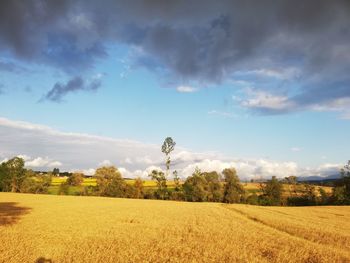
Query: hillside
[{"x": 34, "y": 228}]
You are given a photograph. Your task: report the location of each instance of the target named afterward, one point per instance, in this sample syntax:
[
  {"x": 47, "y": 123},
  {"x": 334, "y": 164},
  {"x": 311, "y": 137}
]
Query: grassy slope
[{"x": 96, "y": 229}]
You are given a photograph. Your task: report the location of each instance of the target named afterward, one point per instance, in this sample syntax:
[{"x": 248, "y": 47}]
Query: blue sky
[{"x": 152, "y": 80}]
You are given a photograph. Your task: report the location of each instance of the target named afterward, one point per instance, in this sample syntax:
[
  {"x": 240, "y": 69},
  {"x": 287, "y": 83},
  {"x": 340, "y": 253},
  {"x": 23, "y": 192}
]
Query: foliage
[
  {"x": 176, "y": 181},
  {"x": 341, "y": 192},
  {"x": 195, "y": 187},
  {"x": 324, "y": 198},
  {"x": 110, "y": 182},
  {"x": 167, "y": 147},
  {"x": 12, "y": 175},
  {"x": 253, "y": 199},
  {"x": 75, "y": 179},
  {"x": 56, "y": 172},
  {"x": 233, "y": 191},
  {"x": 63, "y": 189},
  {"x": 36, "y": 184},
  {"x": 272, "y": 192},
  {"x": 139, "y": 189},
  {"x": 162, "y": 189}
]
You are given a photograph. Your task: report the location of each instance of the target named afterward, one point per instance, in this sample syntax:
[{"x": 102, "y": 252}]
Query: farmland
[
  {"x": 74, "y": 190},
  {"x": 34, "y": 228}
]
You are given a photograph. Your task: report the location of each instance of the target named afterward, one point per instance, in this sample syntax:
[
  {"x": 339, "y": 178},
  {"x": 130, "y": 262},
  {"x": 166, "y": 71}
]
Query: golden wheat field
[{"x": 48, "y": 228}]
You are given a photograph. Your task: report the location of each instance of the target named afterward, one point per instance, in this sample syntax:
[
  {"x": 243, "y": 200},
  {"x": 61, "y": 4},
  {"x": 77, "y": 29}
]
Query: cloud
[
  {"x": 37, "y": 163},
  {"x": 296, "y": 149},
  {"x": 40, "y": 162},
  {"x": 192, "y": 41},
  {"x": 267, "y": 103},
  {"x": 75, "y": 84},
  {"x": 186, "y": 89},
  {"x": 105, "y": 163},
  {"x": 278, "y": 73},
  {"x": 11, "y": 67},
  {"x": 261, "y": 168},
  {"x": 79, "y": 152}
]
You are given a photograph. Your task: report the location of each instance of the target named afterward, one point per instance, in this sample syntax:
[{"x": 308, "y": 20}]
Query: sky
[{"x": 260, "y": 86}]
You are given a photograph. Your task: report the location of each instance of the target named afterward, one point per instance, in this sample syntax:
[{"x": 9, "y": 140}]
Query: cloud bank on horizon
[
  {"x": 293, "y": 55},
  {"x": 44, "y": 148}
]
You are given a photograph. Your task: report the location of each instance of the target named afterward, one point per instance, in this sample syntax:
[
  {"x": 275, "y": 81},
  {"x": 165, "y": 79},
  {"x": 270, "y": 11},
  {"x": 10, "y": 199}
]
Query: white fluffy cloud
[
  {"x": 40, "y": 162},
  {"x": 186, "y": 89},
  {"x": 105, "y": 163},
  {"x": 263, "y": 100},
  {"x": 82, "y": 152},
  {"x": 246, "y": 169}
]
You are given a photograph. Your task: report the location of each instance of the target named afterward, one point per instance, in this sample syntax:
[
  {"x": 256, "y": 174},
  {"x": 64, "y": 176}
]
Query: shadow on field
[
  {"x": 43, "y": 260},
  {"x": 10, "y": 213}
]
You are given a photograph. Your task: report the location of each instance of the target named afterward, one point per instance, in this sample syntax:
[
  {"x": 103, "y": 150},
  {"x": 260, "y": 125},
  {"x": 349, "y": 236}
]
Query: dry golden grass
[{"x": 96, "y": 229}]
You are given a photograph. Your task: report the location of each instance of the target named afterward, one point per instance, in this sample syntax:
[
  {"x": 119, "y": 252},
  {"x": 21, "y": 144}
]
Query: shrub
[
  {"x": 75, "y": 179},
  {"x": 63, "y": 189}
]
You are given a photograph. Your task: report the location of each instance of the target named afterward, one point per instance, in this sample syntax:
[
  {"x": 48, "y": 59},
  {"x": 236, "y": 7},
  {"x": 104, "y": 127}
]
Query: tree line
[{"x": 199, "y": 187}]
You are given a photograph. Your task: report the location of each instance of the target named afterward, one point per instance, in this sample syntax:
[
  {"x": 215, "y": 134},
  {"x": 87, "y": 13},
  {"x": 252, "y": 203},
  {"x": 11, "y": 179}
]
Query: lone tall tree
[{"x": 167, "y": 147}]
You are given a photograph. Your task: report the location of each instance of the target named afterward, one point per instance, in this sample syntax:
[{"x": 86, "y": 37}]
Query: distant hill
[{"x": 319, "y": 178}]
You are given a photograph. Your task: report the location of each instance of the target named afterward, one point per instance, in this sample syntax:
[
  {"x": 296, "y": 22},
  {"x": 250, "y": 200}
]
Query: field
[
  {"x": 35, "y": 228},
  {"x": 74, "y": 190}
]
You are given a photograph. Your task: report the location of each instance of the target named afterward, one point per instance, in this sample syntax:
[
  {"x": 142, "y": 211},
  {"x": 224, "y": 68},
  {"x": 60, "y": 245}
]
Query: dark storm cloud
[
  {"x": 190, "y": 41},
  {"x": 59, "y": 90}
]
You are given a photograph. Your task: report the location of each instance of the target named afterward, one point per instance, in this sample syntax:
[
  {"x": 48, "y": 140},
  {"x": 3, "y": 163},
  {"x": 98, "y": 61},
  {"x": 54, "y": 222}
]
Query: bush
[
  {"x": 35, "y": 184},
  {"x": 177, "y": 196},
  {"x": 75, "y": 179},
  {"x": 253, "y": 199},
  {"x": 63, "y": 189}
]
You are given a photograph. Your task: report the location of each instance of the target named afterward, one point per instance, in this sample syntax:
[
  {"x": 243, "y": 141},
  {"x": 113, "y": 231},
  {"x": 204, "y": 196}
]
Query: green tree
[
  {"x": 162, "y": 190},
  {"x": 176, "y": 181},
  {"x": 214, "y": 187},
  {"x": 167, "y": 147},
  {"x": 195, "y": 187},
  {"x": 233, "y": 190},
  {"x": 56, "y": 172},
  {"x": 341, "y": 191},
  {"x": 75, "y": 179},
  {"x": 272, "y": 192},
  {"x": 110, "y": 182},
  {"x": 3, "y": 178},
  {"x": 324, "y": 197},
  {"x": 12, "y": 174}
]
